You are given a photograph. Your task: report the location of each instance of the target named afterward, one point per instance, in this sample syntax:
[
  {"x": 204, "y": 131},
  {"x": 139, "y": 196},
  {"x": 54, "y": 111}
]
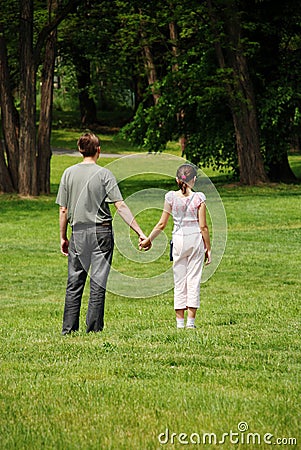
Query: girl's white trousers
[{"x": 188, "y": 259}]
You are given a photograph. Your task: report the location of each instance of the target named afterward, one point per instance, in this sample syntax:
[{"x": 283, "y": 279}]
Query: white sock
[
  {"x": 180, "y": 323},
  {"x": 190, "y": 322}
]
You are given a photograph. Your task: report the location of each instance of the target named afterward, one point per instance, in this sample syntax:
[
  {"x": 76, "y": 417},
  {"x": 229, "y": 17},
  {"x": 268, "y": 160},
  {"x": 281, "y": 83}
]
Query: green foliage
[
  {"x": 275, "y": 69},
  {"x": 92, "y": 36},
  {"x": 280, "y": 120},
  {"x": 110, "y": 38},
  {"x": 65, "y": 95},
  {"x": 198, "y": 89},
  {"x": 9, "y": 18},
  {"x": 147, "y": 130}
]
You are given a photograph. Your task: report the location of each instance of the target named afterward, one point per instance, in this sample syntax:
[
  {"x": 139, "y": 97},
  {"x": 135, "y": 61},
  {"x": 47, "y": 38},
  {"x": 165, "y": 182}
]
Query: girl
[{"x": 191, "y": 242}]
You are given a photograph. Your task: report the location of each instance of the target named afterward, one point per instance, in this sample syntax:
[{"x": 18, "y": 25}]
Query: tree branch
[{"x": 60, "y": 16}]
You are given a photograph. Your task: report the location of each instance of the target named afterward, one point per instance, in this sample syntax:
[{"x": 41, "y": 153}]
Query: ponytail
[
  {"x": 185, "y": 173},
  {"x": 182, "y": 186}
]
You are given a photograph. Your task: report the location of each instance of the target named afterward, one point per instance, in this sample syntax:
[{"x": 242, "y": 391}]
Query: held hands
[{"x": 144, "y": 243}]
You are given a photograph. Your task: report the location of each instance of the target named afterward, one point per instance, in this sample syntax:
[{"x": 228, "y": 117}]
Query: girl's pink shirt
[{"x": 185, "y": 218}]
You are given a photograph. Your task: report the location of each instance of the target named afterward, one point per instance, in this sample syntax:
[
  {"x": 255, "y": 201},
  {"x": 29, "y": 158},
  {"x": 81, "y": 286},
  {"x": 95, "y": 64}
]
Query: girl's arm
[
  {"x": 205, "y": 231},
  {"x": 159, "y": 227},
  {"x": 126, "y": 214}
]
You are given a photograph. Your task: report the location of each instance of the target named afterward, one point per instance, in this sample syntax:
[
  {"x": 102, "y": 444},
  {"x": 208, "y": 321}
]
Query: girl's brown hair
[{"x": 185, "y": 173}]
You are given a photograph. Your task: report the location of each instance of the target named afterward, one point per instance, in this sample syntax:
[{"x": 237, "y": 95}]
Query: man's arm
[
  {"x": 146, "y": 244},
  {"x": 126, "y": 214},
  {"x": 63, "y": 230}
]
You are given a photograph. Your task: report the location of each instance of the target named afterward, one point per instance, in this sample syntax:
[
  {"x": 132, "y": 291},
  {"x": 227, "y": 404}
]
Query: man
[{"x": 85, "y": 191}]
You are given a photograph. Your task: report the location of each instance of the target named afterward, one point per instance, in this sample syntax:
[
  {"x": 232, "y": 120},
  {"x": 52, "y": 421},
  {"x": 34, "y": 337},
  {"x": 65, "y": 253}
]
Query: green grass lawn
[
  {"x": 124, "y": 387},
  {"x": 110, "y": 143},
  {"x": 67, "y": 128}
]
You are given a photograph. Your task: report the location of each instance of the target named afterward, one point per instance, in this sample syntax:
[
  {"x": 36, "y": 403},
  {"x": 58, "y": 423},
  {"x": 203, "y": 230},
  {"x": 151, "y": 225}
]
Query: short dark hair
[{"x": 88, "y": 144}]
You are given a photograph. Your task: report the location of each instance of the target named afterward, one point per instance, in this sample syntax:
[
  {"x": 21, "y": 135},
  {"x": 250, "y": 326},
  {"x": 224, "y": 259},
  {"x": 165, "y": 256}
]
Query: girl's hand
[
  {"x": 144, "y": 244},
  {"x": 207, "y": 259}
]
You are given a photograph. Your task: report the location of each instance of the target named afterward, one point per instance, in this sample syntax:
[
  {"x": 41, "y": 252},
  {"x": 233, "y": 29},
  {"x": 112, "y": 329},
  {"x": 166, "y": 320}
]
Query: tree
[
  {"x": 234, "y": 113},
  {"x": 45, "y": 121},
  {"x": 9, "y": 163},
  {"x": 27, "y": 168},
  {"x": 20, "y": 156},
  {"x": 258, "y": 49},
  {"x": 94, "y": 42},
  {"x": 276, "y": 70},
  {"x": 77, "y": 47},
  {"x": 240, "y": 92}
]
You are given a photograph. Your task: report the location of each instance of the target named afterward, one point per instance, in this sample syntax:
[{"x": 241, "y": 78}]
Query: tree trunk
[
  {"x": 173, "y": 33},
  {"x": 151, "y": 72},
  {"x": 250, "y": 162},
  {"x": 149, "y": 64},
  {"x": 19, "y": 153},
  {"x": 87, "y": 105},
  {"x": 243, "y": 106},
  {"x": 137, "y": 86},
  {"x": 240, "y": 95},
  {"x": 6, "y": 184},
  {"x": 281, "y": 171},
  {"x": 27, "y": 141},
  {"x": 9, "y": 152},
  {"x": 45, "y": 123}
]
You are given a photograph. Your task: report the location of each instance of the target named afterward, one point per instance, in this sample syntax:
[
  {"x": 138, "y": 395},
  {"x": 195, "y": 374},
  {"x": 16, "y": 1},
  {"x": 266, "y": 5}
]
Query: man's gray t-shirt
[{"x": 86, "y": 191}]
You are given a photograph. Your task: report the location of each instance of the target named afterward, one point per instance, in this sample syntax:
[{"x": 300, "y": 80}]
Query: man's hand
[
  {"x": 144, "y": 244},
  {"x": 64, "y": 246}
]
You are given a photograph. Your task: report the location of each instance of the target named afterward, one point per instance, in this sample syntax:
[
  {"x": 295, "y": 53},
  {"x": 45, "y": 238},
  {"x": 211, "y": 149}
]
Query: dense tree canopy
[
  {"x": 220, "y": 75},
  {"x": 236, "y": 87}
]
